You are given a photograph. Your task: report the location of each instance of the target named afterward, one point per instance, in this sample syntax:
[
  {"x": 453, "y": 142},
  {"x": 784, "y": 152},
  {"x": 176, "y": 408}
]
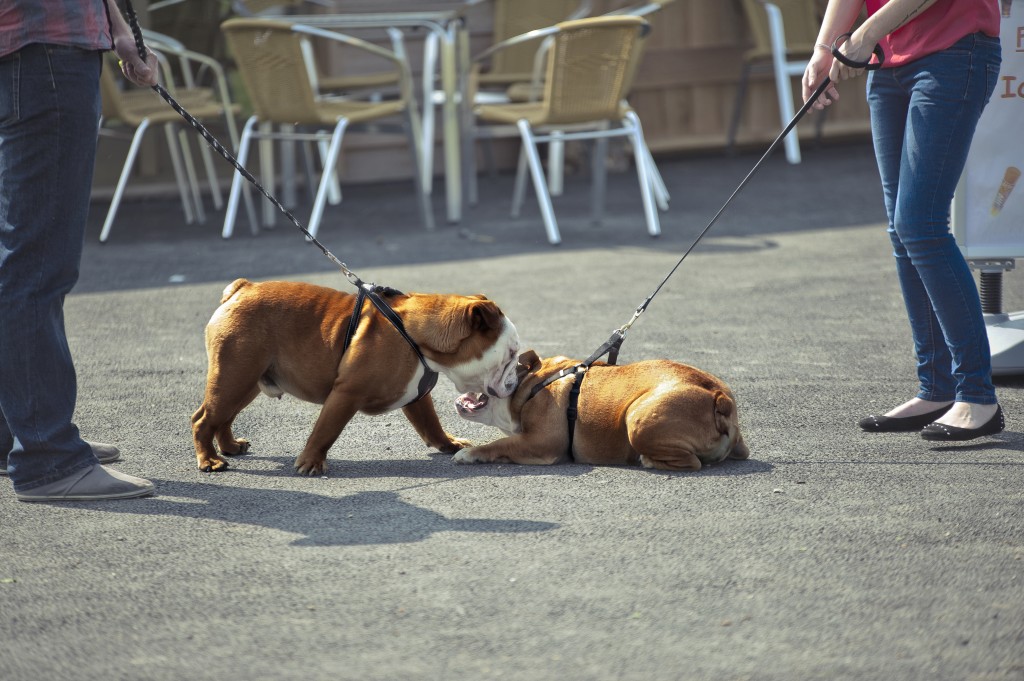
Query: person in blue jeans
[
  {"x": 941, "y": 65},
  {"x": 50, "y": 61}
]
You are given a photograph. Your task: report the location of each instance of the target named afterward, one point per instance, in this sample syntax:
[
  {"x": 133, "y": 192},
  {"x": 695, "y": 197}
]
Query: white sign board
[{"x": 988, "y": 209}]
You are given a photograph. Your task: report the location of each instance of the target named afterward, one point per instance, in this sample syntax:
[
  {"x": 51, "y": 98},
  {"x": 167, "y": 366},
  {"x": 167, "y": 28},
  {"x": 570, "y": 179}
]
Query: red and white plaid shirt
[{"x": 78, "y": 23}]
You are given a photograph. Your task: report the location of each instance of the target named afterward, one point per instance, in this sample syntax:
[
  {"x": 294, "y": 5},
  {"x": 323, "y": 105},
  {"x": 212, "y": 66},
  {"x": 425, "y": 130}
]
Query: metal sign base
[{"x": 1006, "y": 340}]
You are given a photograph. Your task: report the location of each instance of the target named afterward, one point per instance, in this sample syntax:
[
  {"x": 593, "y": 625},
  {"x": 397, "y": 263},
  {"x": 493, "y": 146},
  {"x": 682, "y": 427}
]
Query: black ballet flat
[
  {"x": 942, "y": 433},
  {"x": 900, "y": 424}
]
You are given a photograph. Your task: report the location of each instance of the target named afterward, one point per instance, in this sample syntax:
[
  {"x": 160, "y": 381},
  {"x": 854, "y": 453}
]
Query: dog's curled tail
[{"x": 233, "y": 288}]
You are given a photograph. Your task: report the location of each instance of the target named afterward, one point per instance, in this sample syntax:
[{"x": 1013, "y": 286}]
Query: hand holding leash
[
  {"x": 138, "y": 64},
  {"x": 844, "y": 67},
  {"x": 840, "y": 68}
]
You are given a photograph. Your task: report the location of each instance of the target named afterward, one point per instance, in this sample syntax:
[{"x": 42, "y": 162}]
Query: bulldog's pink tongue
[{"x": 471, "y": 401}]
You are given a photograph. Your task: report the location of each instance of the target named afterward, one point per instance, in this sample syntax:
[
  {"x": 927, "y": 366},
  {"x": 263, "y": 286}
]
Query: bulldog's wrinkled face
[
  {"x": 497, "y": 411},
  {"x": 496, "y": 365},
  {"x": 490, "y": 411}
]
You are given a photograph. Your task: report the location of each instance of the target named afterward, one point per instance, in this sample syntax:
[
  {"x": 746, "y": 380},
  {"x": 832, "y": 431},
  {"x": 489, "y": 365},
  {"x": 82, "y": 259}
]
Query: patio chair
[
  {"x": 516, "y": 17},
  {"x": 506, "y": 75},
  {"x": 273, "y": 59},
  {"x": 138, "y": 109},
  {"x": 532, "y": 91},
  {"x": 588, "y": 68},
  {"x": 784, "y": 33},
  {"x": 527, "y": 90},
  {"x": 371, "y": 84},
  {"x": 191, "y": 70}
]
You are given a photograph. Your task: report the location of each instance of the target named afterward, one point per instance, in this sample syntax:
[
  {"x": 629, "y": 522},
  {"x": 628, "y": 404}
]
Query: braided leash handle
[
  {"x": 140, "y": 46},
  {"x": 133, "y": 22}
]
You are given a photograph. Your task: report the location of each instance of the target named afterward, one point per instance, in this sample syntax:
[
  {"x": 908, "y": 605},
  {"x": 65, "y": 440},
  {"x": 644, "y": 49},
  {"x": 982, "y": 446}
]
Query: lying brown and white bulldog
[
  {"x": 287, "y": 337},
  {"x": 657, "y": 413}
]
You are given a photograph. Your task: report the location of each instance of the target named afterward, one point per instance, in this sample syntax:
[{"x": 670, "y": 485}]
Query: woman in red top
[{"x": 941, "y": 65}]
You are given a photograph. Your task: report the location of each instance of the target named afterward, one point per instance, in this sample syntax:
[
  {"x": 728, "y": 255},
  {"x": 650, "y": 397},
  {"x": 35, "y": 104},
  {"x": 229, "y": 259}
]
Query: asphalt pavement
[{"x": 829, "y": 554}]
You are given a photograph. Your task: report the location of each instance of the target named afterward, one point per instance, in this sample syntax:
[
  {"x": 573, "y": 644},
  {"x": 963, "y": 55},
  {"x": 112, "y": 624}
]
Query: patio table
[{"x": 447, "y": 24}]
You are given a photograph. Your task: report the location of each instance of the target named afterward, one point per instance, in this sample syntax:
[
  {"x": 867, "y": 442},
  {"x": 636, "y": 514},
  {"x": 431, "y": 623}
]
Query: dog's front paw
[
  {"x": 454, "y": 444},
  {"x": 467, "y": 455},
  {"x": 308, "y": 465}
]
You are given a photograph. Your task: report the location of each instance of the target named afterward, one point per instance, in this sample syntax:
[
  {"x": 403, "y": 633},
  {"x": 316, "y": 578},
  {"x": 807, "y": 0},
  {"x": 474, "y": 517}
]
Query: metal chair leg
[
  {"x": 643, "y": 174},
  {"x": 330, "y": 162},
  {"x": 133, "y": 151},
  {"x": 598, "y": 179},
  {"x": 179, "y": 173},
  {"x": 430, "y": 49},
  {"x": 237, "y": 181},
  {"x": 211, "y": 174},
  {"x": 556, "y": 164},
  {"x": 267, "y": 172},
  {"x": 539, "y": 182},
  {"x": 190, "y": 174},
  {"x": 519, "y": 190},
  {"x": 420, "y": 181}
]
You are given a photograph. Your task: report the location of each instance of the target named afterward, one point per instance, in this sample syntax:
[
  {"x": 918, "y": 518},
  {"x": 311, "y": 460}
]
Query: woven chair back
[
  {"x": 590, "y": 67},
  {"x": 515, "y": 17},
  {"x": 275, "y": 71}
]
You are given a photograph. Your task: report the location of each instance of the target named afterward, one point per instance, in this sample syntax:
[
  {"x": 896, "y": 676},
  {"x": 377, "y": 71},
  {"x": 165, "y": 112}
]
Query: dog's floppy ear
[
  {"x": 484, "y": 315},
  {"x": 528, "y": 361}
]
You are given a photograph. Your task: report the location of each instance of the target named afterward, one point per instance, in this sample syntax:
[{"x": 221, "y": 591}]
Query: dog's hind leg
[
  {"x": 661, "y": 441},
  {"x": 668, "y": 457},
  {"x": 203, "y": 432},
  {"x": 228, "y": 444},
  {"x": 213, "y": 420}
]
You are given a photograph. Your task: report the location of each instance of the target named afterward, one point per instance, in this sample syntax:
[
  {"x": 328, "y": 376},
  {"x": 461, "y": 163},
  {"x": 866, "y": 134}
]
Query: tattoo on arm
[{"x": 910, "y": 15}]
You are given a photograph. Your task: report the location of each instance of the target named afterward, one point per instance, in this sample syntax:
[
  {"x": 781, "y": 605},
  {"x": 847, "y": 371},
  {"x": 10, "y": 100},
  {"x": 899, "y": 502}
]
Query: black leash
[
  {"x": 611, "y": 346},
  {"x": 365, "y": 290},
  {"x": 614, "y": 342},
  {"x": 133, "y": 22}
]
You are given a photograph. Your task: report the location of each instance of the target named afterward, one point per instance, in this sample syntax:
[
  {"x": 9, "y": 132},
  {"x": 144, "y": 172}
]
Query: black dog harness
[
  {"x": 374, "y": 293},
  {"x": 578, "y": 373}
]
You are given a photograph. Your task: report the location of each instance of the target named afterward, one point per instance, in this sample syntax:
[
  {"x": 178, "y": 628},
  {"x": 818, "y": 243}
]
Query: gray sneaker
[
  {"x": 90, "y": 484},
  {"x": 104, "y": 452}
]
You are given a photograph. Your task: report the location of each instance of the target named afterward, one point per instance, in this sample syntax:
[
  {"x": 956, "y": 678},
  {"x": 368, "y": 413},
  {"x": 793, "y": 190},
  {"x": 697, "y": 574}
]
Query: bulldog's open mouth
[{"x": 469, "y": 403}]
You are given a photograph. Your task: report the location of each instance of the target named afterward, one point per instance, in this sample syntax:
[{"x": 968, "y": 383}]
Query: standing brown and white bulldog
[
  {"x": 657, "y": 413},
  {"x": 287, "y": 337}
]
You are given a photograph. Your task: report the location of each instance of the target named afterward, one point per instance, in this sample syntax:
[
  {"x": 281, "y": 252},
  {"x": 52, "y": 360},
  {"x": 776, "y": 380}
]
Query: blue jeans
[
  {"x": 923, "y": 117},
  {"x": 49, "y": 113}
]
